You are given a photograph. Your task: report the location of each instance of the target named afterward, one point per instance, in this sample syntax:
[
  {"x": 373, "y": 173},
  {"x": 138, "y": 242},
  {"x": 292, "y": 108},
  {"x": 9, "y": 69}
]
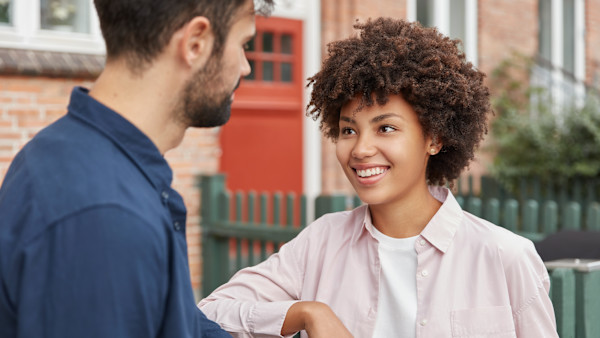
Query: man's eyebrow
[{"x": 385, "y": 116}]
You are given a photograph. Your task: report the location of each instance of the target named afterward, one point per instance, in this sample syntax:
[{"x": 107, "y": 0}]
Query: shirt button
[
  {"x": 424, "y": 273},
  {"x": 176, "y": 226},
  {"x": 423, "y": 322},
  {"x": 422, "y": 242},
  {"x": 165, "y": 195}
]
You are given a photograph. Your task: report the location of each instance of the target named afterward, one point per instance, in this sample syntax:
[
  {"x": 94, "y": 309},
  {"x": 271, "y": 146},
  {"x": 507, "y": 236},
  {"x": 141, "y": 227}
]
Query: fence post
[
  {"x": 329, "y": 203},
  {"x": 474, "y": 206},
  {"x": 530, "y": 216},
  {"x": 572, "y": 216},
  {"x": 550, "y": 218},
  {"x": 593, "y": 217},
  {"x": 511, "y": 215},
  {"x": 215, "y": 250},
  {"x": 562, "y": 294},
  {"x": 492, "y": 211},
  {"x": 588, "y": 303}
]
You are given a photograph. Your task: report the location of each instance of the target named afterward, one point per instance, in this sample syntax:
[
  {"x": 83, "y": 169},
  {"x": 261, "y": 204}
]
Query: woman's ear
[
  {"x": 435, "y": 146},
  {"x": 197, "y": 42}
]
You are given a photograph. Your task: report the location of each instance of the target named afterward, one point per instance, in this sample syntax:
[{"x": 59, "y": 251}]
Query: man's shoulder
[{"x": 67, "y": 168}]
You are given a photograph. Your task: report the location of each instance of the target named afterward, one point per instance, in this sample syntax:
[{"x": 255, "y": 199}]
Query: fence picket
[
  {"x": 550, "y": 217},
  {"x": 492, "y": 211},
  {"x": 572, "y": 219},
  {"x": 511, "y": 215},
  {"x": 289, "y": 206},
  {"x": 530, "y": 216},
  {"x": 593, "y": 217}
]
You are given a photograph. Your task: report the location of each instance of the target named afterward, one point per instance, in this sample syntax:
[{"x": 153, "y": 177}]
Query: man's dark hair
[
  {"x": 395, "y": 57},
  {"x": 140, "y": 29}
]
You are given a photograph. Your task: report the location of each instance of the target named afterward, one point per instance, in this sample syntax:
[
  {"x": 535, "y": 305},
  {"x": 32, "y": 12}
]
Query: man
[{"x": 92, "y": 236}]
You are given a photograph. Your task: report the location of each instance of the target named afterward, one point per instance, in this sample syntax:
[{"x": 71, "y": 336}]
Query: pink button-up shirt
[{"x": 474, "y": 279}]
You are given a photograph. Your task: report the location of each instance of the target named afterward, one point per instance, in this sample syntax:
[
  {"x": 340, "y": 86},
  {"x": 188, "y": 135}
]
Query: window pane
[
  {"x": 457, "y": 20},
  {"x": 267, "y": 40},
  {"x": 545, "y": 29},
  {"x": 251, "y": 75},
  {"x": 286, "y": 72},
  {"x": 425, "y": 12},
  {"x": 569, "y": 35},
  {"x": 5, "y": 12},
  {"x": 267, "y": 74},
  {"x": 65, "y": 15},
  {"x": 286, "y": 44}
]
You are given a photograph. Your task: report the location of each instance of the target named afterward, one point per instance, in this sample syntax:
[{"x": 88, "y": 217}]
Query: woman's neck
[{"x": 407, "y": 217}]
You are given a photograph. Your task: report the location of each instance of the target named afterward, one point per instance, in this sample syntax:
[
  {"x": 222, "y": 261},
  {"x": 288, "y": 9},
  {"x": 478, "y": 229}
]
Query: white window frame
[
  {"x": 441, "y": 20},
  {"x": 557, "y": 60},
  {"x": 25, "y": 32}
]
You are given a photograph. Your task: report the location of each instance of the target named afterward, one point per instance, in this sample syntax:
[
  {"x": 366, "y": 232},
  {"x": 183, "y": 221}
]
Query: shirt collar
[
  {"x": 441, "y": 228},
  {"x": 443, "y": 225},
  {"x": 127, "y": 137}
]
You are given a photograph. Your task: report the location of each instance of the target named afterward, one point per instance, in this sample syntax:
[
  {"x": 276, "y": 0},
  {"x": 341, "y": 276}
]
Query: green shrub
[{"x": 530, "y": 140}]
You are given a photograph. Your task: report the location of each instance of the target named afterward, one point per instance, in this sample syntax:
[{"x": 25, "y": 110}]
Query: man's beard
[{"x": 206, "y": 101}]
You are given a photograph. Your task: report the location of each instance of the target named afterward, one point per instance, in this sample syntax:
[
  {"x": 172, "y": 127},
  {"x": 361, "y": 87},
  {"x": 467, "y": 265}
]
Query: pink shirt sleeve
[
  {"x": 529, "y": 286},
  {"x": 255, "y": 301}
]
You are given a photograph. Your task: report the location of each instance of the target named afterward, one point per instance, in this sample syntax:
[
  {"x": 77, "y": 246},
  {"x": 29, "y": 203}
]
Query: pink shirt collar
[{"x": 441, "y": 228}]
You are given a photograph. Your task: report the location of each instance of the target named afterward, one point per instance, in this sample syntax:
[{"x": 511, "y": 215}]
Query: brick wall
[{"x": 592, "y": 42}]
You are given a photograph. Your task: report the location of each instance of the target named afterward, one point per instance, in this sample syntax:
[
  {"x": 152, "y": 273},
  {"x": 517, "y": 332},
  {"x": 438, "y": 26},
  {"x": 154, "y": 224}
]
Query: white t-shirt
[{"x": 397, "y": 309}]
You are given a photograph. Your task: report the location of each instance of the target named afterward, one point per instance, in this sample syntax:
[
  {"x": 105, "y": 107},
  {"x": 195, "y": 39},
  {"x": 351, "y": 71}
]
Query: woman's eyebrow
[
  {"x": 347, "y": 119},
  {"x": 385, "y": 116}
]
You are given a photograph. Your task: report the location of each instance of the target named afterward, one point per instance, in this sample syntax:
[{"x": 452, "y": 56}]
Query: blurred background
[{"x": 542, "y": 58}]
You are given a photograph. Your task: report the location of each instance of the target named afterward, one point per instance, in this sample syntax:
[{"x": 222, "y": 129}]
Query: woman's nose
[{"x": 363, "y": 148}]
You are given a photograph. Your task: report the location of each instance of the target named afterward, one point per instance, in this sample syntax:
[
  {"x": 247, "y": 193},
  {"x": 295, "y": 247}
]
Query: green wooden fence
[
  {"x": 243, "y": 229},
  {"x": 535, "y": 211}
]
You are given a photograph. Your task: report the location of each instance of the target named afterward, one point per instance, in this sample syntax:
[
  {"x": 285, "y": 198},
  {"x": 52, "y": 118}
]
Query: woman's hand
[{"x": 316, "y": 318}]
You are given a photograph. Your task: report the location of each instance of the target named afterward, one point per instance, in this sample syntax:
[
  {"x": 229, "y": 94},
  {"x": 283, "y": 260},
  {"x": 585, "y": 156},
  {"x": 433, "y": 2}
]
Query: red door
[{"x": 262, "y": 142}]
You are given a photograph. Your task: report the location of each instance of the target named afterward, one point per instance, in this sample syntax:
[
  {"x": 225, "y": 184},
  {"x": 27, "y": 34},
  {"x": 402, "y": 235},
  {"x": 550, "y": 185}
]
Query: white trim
[
  {"x": 557, "y": 53},
  {"x": 441, "y": 18},
  {"x": 471, "y": 31},
  {"x": 580, "y": 52},
  {"x": 311, "y": 143},
  {"x": 411, "y": 10},
  {"x": 309, "y": 11}
]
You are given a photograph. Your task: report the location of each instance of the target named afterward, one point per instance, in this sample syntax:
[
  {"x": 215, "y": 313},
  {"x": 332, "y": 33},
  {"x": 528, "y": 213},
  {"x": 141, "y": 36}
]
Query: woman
[{"x": 406, "y": 112}]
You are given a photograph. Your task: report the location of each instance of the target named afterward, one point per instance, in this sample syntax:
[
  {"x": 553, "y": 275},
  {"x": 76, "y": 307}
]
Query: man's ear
[{"x": 197, "y": 41}]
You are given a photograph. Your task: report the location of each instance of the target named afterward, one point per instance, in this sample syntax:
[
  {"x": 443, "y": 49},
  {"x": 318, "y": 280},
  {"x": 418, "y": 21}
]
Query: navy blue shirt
[{"x": 92, "y": 236}]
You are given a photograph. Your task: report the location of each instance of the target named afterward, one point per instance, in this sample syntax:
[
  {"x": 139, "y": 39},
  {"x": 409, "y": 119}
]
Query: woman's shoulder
[{"x": 486, "y": 235}]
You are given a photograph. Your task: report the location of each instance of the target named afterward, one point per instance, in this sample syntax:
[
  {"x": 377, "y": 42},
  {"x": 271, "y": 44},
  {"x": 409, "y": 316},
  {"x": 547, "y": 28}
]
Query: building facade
[{"x": 49, "y": 46}]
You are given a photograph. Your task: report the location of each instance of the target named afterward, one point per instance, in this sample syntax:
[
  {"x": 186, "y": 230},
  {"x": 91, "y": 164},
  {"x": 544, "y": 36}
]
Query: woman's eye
[
  {"x": 387, "y": 129},
  {"x": 346, "y": 131}
]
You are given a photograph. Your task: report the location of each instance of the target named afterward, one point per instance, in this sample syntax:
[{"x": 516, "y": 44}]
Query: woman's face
[{"x": 383, "y": 150}]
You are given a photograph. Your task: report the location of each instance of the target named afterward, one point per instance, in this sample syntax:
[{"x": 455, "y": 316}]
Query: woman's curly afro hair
[{"x": 396, "y": 57}]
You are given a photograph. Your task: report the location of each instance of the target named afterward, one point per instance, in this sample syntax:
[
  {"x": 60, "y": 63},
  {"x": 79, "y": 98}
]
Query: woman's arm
[{"x": 316, "y": 318}]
